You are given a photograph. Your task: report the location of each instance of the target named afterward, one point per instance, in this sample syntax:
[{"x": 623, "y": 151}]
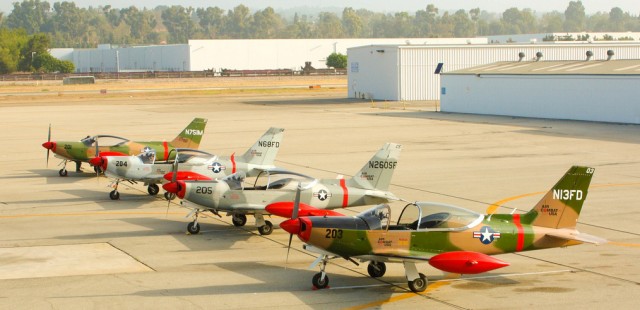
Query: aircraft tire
[
  {"x": 317, "y": 283},
  {"x": 193, "y": 228},
  {"x": 153, "y": 189},
  {"x": 376, "y": 269},
  {"x": 239, "y": 220},
  {"x": 63, "y": 172},
  {"x": 114, "y": 195},
  {"x": 419, "y": 285},
  {"x": 169, "y": 196},
  {"x": 267, "y": 229}
]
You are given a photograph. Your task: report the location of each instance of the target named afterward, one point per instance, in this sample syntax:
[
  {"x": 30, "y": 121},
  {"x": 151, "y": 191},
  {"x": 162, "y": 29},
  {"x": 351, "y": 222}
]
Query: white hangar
[
  {"x": 601, "y": 90},
  {"x": 199, "y": 55},
  {"x": 408, "y": 72}
]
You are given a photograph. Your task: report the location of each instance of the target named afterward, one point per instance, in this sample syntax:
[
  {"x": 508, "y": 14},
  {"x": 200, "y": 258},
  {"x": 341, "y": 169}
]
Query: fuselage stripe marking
[
  {"x": 233, "y": 163},
  {"x": 345, "y": 193},
  {"x": 520, "y": 242},
  {"x": 166, "y": 150}
]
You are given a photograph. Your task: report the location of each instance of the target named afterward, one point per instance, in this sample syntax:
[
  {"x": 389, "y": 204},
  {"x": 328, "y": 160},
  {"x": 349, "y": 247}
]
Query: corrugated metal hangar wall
[
  {"x": 602, "y": 91},
  {"x": 406, "y": 72}
]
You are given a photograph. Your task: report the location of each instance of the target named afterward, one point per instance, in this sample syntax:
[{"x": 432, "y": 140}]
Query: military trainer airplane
[
  {"x": 193, "y": 164},
  {"x": 368, "y": 186},
  {"x": 90, "y": 147},
  {"x": 450, "y": 238}
]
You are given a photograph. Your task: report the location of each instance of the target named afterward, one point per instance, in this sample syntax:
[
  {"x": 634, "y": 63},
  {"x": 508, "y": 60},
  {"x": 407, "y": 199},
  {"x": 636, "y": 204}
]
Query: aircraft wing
[{"x": 574, "y": 235}]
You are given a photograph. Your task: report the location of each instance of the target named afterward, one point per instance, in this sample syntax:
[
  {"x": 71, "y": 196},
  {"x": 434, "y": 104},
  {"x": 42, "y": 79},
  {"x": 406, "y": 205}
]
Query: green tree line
[
  {"x": 28, "y": 53},
  {"x": 67, "y": 25}
]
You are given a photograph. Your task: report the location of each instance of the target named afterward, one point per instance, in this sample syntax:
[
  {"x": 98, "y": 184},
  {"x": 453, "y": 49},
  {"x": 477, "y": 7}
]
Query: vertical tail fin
[
  {"x": 264, "y": 151},
  {"x": 561, "y": 206},
  {"x": 377, "y": 172},
  {"x": 191, "y": 136}
]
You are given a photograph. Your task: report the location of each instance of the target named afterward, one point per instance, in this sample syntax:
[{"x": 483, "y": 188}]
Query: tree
[
  {"x": 211, "y": 20},
  {"x": 29, "y": 15},
  {"x": 178, "y": 21},
  {"x": 575, "y": 17},
  {"x": 37, "y": 44},
  {"x": 47, "y": 63},
  {"x": 238, "y": 22},
  {"x": 337, "y": 60},
  {"x": 351, "y": 23},
  {"x": 329, "y": 26},
  {"x": 11, "y": 41},
  {"x": 266, "y": 24}
]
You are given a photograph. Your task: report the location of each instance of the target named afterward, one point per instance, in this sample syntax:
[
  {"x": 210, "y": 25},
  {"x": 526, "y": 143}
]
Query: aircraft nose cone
[
  {"x": 292, "y": 226},
  {"x": 168, "y": 176},
  {"x": 177, "y": 188},
  {"x": 96, "y": 161},
  {"x": 49, "y": 145}
]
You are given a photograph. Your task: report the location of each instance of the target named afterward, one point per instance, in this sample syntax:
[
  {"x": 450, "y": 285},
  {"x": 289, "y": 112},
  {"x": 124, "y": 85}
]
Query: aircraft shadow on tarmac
[
  {"x": 213, "y": 236},
  {"x": 51, "y": 176}
]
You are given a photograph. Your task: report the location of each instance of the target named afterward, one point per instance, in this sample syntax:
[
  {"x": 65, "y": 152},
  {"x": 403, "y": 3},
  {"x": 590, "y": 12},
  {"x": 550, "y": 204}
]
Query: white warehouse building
[
  {"x": 408, "y": 72},
  {"x": 601, "y": 90},
  {"x": 199, "y": 55}
]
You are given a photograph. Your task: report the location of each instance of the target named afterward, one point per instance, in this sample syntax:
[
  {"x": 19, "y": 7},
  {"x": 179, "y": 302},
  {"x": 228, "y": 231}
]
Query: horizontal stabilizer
[
  {"x": 466, "y": 262},
  {"x": 577, "y": 236},
  {"x": 285, "y": 209}
]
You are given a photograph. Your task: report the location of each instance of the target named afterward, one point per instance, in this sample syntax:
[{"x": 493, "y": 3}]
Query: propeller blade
[
  {"x": 96, "y": 168},
  {"x": 288, "y": 249},
  {"x": 174, "y": 177},
  {"x": 294, "y": 215},
  {"x": 48, "y": 140}
]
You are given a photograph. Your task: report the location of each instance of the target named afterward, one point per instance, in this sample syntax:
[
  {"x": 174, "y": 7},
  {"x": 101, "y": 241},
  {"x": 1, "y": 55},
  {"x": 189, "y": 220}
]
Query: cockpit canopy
[
  {"x": 280, "y": 179},
  {"x": 148, "y": 155},
  {"x": 437, "y": 216}
]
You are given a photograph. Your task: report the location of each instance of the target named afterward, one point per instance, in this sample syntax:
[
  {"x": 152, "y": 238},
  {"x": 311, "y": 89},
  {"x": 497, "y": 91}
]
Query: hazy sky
[{"x": 591, "y": 6}]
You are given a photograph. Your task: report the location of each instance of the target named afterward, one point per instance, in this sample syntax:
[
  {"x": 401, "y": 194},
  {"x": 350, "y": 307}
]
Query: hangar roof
[{"x": 580, "y": 67}]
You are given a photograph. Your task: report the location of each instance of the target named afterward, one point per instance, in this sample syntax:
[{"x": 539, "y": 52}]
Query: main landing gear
[
  {"x": 153, "y": 189},
  {"x": 417, "y": 281},
  {"x": 265, "y": 228}
]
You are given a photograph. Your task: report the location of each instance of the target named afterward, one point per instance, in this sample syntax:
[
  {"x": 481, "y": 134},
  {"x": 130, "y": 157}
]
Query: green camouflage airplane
[
  {"x": 368, "y": 186},
  {"x": 105, "y": 145},
  {"x": 450, "y": 238},
  {"x": 192, "y": 164}
]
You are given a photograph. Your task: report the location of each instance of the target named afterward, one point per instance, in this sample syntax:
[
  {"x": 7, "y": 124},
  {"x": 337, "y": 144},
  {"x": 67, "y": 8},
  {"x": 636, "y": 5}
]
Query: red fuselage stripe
[
  {"x": 345, "y": 193},
  {"x": 166, "y": 150},
  {"x": 233, "y": 162},
  {"x": 520, "y": 242}
]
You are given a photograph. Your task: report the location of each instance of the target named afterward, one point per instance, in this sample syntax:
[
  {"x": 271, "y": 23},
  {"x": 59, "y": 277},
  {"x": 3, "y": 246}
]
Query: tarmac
[{"x": 65, "y": 245}]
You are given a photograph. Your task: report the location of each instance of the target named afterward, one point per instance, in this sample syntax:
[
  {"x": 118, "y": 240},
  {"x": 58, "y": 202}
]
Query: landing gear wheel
[
  {"x": 419, "y": 284},
  {"x": 153, "y": 189},
  {"x": 169, "y": 196},
  {"x": 97, "y": 169},
  {"x": 63, "y": 172},
  {"x": 114, "y": 195},
  {"x": 376, "y": 269},
  {"x": 239, "y": 220},
  {"x": 318, "y": 283},
  {"x": 193, "y": 228},
  {"x": 267, "y": 229}
]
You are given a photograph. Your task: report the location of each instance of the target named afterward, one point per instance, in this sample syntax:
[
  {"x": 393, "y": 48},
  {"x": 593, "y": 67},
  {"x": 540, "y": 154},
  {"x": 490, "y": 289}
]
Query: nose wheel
[
  {"x": 193, "y": 228},
  {"x": 321, "y": 280},
  {"x": 114, "y": 195},
  {"x": 63, "y": 172},
  {"x": 266, "y": 229},
  {"x": 169, "y": 196},
  {"x": 376, "y": 269}
]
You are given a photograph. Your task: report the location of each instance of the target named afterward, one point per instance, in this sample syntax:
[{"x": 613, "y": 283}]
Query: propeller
[
  {"x": 174, "y": 177},
  {"x": 294, "y": 215},
  {"x": 48, "y": 144}
]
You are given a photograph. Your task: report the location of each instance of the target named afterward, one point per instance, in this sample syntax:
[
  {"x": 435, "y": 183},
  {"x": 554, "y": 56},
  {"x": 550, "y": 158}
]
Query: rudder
[
  {"x": 560, "y": 207},
  {"x": 191, "y": 136}
]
